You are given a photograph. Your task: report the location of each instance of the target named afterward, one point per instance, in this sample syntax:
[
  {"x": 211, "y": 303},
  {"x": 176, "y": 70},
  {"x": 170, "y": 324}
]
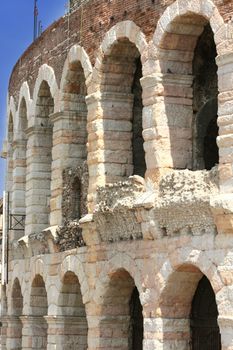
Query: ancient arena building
[{"x": 118, "y": 226}]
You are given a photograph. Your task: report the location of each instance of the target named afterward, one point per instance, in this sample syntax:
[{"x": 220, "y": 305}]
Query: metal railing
[{"x": 17, "y": 222}]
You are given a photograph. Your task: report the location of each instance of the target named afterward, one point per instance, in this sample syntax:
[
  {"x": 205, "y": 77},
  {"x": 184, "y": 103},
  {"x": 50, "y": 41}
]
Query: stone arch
[
  {"x": 171, "y": 135},
  {"x": 20, "y": 160},
  {"x": 17, "y": 274},
  {"x": 175, "y": 302},
  {"x": 11, "y": 115},
  {"x": 14, "y": 330},
  {"x": 120, "y": 261},
  {"x": 126, "y": 29},
  {"x": 24, "y": 94},
  {"x": 16, "y": 307},
  {"x": 115, "y": 107},
  {"x": 45, "y": 74},
  {"x": 77, "y": 54},
  {"x": 40, "y": 140},
  {"x": 38, "y": 268},
  {"x": 38, "y": 311},
  {"x": 71, "y": 313},
  {"x": 206, "y": 9},
  {"x": 70, "y": 127},
  {"x": 117, "y": 295},
  {"x": 73, "y": 264}
]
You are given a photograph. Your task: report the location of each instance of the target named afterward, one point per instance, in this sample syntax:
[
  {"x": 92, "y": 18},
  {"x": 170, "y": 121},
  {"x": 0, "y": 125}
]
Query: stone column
[
  {"x": 69, "y": 150},
  {"x": 66, "y": 332},
  {"x": 163, "y": 333},
  {"x": 222, "y": 205},
  {"x": 225, "y": 121},
  {"x": 14, "y": 333},
  {"x": 226, "y": 330},
  {"x": 34, "y": 333},
  {"x": 106, "y": 331},
  {"x": 38, "y": 179},
  {"x": 109, "y": 140},
  {"x": 19, "y": 183},
  {"x": 167, "y": 122},
  {"x": 4, "y": 320}
]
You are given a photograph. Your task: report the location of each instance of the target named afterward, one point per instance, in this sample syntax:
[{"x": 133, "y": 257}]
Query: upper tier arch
[{"x": 206, "y": 9}]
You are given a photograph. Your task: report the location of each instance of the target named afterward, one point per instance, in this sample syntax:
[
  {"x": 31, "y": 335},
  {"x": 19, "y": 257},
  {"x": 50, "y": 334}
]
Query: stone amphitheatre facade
[{"x": 119, "y": 160}]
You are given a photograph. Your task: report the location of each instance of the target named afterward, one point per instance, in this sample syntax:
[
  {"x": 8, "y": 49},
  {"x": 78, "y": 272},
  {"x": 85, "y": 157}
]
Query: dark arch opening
[
  {"x": 77, "y": 199},
  {"x": 121, "y": 314},
  {"x": 205, "y": 106},
  {"x": 20, "y": 170},
  {"x": 15, "y": 336},
  {"x": 122, "y": 111},
  {"x": 136, "y": 319},
  {"x": 203, "y": 319},
  {"x": 139, "y": 164},
  {"x": 39, "y": 309},
  {"x": 74, "y": 335},
  {"x": 210, "y": 153}
]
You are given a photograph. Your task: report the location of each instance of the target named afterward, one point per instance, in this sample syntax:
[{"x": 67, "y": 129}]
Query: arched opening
[
  {"x": 189, "y": 76},
  {"x": 14, "y": 333},
  {"x": 10, "y": 134},
  {"x": 70, "y": 135},
  {"x": 19, "y": 172},
  {"x": 186, "y": 305},
  {"x": 73, "y": 101},
  {"x": 121, "y": 323},
  {"x": 39, "y": 309},
  {"x": 44, "y": 108},
  {"x": 77, "y": 199},
  {"x": 10, "y": 128},
  {"x": 205, "y": 106},
  {"x": 73, "y": 334},
  {"x": 17, "y": 299},
  {"x": 204, "y": 315},
  {"x": 121, "y": 103},
  {"x": 39, "y": 161},
  {"x": 23, "y": 119}
]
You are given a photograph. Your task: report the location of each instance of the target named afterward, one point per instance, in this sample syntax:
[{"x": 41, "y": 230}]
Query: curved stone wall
[{"x": 73, "y": 99}]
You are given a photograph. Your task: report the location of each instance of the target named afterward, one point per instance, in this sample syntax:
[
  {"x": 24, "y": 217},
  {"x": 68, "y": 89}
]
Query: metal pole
[
  {"x": 35, "y": 20},
  {"x": 4, "y": 234}
]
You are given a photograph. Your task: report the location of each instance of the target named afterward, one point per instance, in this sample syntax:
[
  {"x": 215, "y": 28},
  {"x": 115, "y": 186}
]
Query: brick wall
[{"x": 87, "y": 26}]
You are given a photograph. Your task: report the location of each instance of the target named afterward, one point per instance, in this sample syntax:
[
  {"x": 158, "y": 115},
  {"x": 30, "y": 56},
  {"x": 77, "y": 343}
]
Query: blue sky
[{"x": 16, "y": 33}]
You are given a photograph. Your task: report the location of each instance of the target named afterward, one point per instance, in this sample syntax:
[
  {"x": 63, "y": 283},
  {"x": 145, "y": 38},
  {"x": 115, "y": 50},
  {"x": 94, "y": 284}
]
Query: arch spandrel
[
  {"x": 206, "y": 9},
  {"x": 11, "y": 114},
  {"x": 76, "y": 54},
  {"x": 24, "y": 94},
  {"x": 45, "y": 74},
  {"x": 122, "y": 30}
]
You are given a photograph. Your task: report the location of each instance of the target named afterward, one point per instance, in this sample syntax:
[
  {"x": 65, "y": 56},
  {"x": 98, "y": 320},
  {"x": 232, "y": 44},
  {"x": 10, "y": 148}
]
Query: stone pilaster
[
  {"x": 34, "y": 333},
  {"x": 106, "y": 331},
  {"x": 66, "y": 332},
  {"x": 14, "y": 333},
  {"x": 19, "y": 184},
  {"x": 225, "y": 121},
  {"x": 38, "y": 179},
  {"x": 226, "y": 330},
  {"x": 167, "y": 122},
  {"x": 69, "y": 150},
  {"x": 4, "y": 320},
  {"x": 163, "y": 333},
  {"x": 109, "y": 140}
]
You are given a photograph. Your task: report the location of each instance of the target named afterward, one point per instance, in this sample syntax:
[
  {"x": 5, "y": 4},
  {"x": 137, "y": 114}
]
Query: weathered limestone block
[
  {"x": 34, "y": 333},
  {"x": 66, "y": 332},
  {"x": 222, "y": 208},
  {"x": 14, "y": 333}
]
